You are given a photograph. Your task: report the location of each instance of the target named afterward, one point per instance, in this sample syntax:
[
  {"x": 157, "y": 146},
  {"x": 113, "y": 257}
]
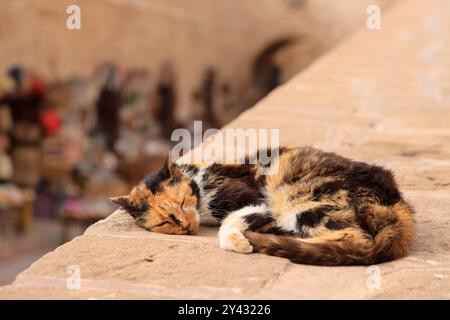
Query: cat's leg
[{"x": 231, "y": 231}]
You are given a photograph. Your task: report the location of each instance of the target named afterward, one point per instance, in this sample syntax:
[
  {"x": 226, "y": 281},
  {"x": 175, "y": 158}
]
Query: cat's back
[
  {"x": 311, "y": 169},
  {"x": 304, "y": 163}
]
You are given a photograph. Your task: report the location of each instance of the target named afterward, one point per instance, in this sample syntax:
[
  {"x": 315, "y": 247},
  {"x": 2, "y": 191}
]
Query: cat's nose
[
  {"x": 191, "y": 223},
  {"x": 193, "y": 228}
]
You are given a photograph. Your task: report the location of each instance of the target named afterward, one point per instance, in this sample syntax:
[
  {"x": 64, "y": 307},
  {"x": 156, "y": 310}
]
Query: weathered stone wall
[{"x": 191, "y": 35}]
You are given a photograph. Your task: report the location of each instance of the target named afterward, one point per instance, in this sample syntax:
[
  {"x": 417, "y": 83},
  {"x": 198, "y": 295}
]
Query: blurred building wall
[{"x": 190, "y": 35}]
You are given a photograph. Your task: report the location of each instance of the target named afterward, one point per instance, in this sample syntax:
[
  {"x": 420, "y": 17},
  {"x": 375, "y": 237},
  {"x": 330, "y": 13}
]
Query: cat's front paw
[{"x": 232, "y": 239}]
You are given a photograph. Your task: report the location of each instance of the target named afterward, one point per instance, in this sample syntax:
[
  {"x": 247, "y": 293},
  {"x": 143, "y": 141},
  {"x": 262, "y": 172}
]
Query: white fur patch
[
  {"x": 245, "y": 211},
  {"x": 230, "y": 233},
  {"x": 288, "y": 221},
  {"x": 205, "y": 214},
  {"x": 231, "y": 239}
]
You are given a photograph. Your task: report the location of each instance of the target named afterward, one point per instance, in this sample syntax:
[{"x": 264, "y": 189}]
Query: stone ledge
[
  {"x": 126, "y": 262},
  {"x": 381, "y": 96}
]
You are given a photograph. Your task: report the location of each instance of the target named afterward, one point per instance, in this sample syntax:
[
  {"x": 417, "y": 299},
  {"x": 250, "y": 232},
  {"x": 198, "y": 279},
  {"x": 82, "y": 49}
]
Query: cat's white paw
[{"x": 232, "y": 239}]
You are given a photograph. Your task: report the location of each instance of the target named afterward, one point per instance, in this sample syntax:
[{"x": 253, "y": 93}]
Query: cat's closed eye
[
  {"x": 182, "y": 203},
  {"x": 175, "y": 219},
  {"x": 161, "y": 224}
]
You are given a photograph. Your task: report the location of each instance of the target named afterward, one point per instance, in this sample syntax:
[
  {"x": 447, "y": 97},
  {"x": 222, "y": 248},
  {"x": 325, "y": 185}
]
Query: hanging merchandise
[
  {"x": 16, "y": 73},
  {"x": 37, "y": 86},
  {"x": 26, "y": 153},
  {"x": 50, "y": 121}
]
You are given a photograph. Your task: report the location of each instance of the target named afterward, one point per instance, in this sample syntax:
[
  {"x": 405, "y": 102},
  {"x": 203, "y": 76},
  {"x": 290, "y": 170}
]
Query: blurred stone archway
[{"x": 279, "y": 59}]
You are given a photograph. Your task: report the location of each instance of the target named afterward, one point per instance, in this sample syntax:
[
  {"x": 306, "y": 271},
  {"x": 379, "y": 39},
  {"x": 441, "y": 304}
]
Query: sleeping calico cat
[{"x": 318, "y": 208}]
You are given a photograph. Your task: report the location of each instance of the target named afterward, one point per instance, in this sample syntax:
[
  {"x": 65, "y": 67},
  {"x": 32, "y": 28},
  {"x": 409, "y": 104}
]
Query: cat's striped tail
[{"x": 394, "y": 234}]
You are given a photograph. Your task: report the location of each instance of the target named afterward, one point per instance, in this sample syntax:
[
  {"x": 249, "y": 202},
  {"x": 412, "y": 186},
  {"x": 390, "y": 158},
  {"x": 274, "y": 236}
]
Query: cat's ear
[
  {"x": 124, "y": 202},
  {"x": 171, "y": 169}
]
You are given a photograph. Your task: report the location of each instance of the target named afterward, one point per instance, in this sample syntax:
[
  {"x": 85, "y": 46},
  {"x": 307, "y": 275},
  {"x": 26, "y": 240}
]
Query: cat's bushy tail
[{"x": 393, "y": 232}]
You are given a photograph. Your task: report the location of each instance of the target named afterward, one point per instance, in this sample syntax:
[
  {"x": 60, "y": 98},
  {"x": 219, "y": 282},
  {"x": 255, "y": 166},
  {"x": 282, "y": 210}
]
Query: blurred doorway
[{"x": 267, "y": 74}]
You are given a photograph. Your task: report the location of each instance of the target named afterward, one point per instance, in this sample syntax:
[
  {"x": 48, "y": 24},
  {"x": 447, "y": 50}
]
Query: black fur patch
[
  {"x": 153, "y": 181},
  {"x": 235, "y": 187},
  {"x": 327, "y": 189},
  {"x": 232, "y": 197},
  {"x": 174, "y": 181},
  {"x": 195, "y": 191},
  {"x": 258, "y": 220},
  {"x": 312, "y": 217},
  {"x": 378, "y": 181},
  {"x": 337, "y": 224},
  {"x": 244, "y": 171},
  {"x": 134, "y": 210}
]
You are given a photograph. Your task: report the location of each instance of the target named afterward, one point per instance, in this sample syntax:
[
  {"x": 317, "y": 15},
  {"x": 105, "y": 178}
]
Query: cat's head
[{"x": 164, "y": 202}]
